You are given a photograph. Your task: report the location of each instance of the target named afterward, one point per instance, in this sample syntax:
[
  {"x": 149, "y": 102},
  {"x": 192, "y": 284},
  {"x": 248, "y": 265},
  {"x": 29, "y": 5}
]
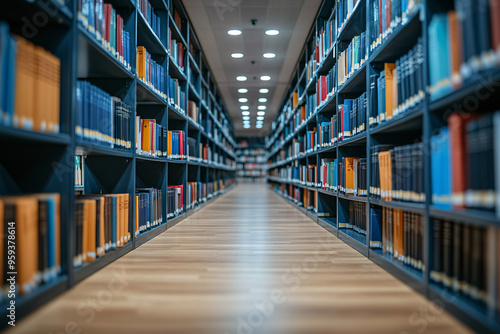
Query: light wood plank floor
[{"x": 248, "y": 263}]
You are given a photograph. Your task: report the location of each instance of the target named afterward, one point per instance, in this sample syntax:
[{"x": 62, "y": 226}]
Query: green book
[{"x": 113, "y": 31}]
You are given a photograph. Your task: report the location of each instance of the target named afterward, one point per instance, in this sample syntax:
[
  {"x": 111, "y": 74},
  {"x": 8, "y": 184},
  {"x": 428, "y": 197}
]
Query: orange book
[
  {"x": 295, "y": 99},
  {"x": 455, "y": 40},
  {"x": 395, "y": 92},
  {"x": 24, "y": 212},
  {"x": 141, "y": 62},
  {"x": 382, "y": 174},
  {"x": 102, "y": 240},
  {"x": 349, "y": 175},
  {"x": 303, "y": 113},
  {"x": 169, "y": 144},
  {"x": 126, "y": 218},
  {"x": 398, "y": 234},
  {"x": 388, "y": 169},
  {"x": 389, "y": 107},
  {"x": 119, "y": 220},
  {"x": 91, "y": 206},
  {"x": 146, "y": 136},
  {"x": 25, "y": 84}
]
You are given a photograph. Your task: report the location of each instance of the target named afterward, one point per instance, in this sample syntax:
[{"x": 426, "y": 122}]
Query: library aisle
[{"x": 248, "y": 263}]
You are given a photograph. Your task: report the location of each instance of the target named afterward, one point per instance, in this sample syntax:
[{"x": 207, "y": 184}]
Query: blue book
[
  {"x": 375, "y": 228},
  {"x": 347, "y": 113},
  {"x": 51, "y": 236},
  {"x": 113, "y": 222},
  {"x": 381, "y": 97},
  {"x": 443, "y": 55}
]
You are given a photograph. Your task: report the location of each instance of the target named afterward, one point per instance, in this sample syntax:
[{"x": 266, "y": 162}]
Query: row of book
[
  {"x": 177, "y": 95},
  {"x": 150, "y": 72},
  {"x": 462, "y": 42},
  {"x": 327, "y": 133},
  {"x": 399, "y": 233},
  {"x": 148, "y": 209},
  {"x": 107, "y": 26},
  {"x": 465, "y": 156},
  {"x": 175, "y": 201},
  {"x": 399, "y": 87},
  {"x": 352, "y": 176},
  {"x": 325, "y": 40},
  {"x": 29, "y": 84},
  {"x": 102, "y": 224},
  {"x": 328, "y": 174},
  {"x": 387, "y": 16},
  {"x": 151, "y": 16},
  {"x": 326, "y": 86},
  {"x": 352, "y": 117},
  {"x": 176, "y": 51},
  {"x": 397, "y": 173},
  {"x": 351, "y": 59},
  {"x": 151, "y": 138},
  {"x": 355, "y": 219},
  {"x": 345, "y": 9},
  {"x": 459, "y": 258},
  {"x": 310, "y": 200},
  {"x": 32, "y": 223},
  {"x": 194, "y": 194},
  {"x": 101, "y": 118}
]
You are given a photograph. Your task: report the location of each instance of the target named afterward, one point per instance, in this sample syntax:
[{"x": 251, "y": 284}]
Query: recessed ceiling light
[
  {"x": 246, "y": 122},
  {"x": 261, "y": 113},
  {"x": 245, "y": 113},
  {"x": 234, "y": 32},
  {"x": 261, "y": 107},
  {"x": 260, "y": 118},
  {"x": 243, "y": 100},
  {"x": 259, "y": 126},
  {"x": 244, "y": 108},
  {"x": 246, "y": 118},
  {"x": 242, "y": 90},
  {"x": 241, "y": 78},
  {"x": 265, "y": 78},
  {"x": 262, "y": 100},
  {"x": 264, "y": 91},
  {"x": 272, "y": 32},
  {"x": 269, "y": 55},
  {"x": 237, "y": 55},
  {"x": 246, "y": 126}
]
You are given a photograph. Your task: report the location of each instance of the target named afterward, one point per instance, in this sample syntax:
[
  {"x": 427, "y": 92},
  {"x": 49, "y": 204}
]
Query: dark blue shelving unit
[
  {"x": 44, "y": 163},
  {"x": 416, "y": 124}
]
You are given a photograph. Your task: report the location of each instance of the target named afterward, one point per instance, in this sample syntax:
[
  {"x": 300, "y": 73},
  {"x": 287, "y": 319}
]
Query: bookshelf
[
  {"x": 252, "y": 161},
  {"x": 299, "y": 149},
  {"x": 36, "y": 162}
]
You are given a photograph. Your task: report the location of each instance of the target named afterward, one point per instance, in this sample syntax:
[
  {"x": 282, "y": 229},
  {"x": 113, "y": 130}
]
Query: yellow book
[
  {"x": 141, "y": 62},
  {"x": 169, "y": 144}
]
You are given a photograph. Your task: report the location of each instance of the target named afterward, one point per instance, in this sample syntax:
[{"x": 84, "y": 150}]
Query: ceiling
[{"x": 213, "y": 18}]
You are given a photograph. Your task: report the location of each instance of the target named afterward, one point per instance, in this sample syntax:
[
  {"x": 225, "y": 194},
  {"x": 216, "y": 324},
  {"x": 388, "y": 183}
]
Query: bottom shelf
[
  {"x": 26, "y": 304},
  {"x": 329, "y": 224},
  {"x": 88, "y": 269},
  {"x": 412, "y": 277},
  {"x": 354, "y": 239},
  {"x": 148, "y": 235},
  {"x": 473, "y": 314}
]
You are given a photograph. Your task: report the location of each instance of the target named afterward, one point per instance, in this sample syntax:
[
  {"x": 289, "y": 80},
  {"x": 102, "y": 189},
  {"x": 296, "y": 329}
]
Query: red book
[
  {"x": 181, "y": 55},
  {"x": 388, "y": 13},
  {"x": 495, "y": 24},
  {"x": 177, "y": 19},
  {"x": 323, "y": 88},
  {"x": 181, "y": 143},
  {"x": 457, "y": 123},
  {"x": 108, "y": 22},
  {"x": 118, "y": 34},
  {"x": 317, "y": 53}
]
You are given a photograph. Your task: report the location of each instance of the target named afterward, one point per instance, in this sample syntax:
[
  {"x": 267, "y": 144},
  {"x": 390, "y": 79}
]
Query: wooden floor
[{"x": 248, "y": 263}]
